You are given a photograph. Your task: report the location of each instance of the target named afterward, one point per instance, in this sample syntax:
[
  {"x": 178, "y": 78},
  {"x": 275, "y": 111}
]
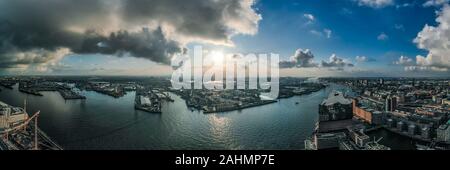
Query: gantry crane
[{"x": 23, "y": 127}]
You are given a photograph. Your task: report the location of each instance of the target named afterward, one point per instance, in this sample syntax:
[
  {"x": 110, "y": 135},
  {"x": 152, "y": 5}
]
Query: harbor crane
[{"x": 23, "y": 126}]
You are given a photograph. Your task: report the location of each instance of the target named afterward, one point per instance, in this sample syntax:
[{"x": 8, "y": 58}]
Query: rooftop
[
  {"x": 443, "y": 127},
  {"x": 336, "y": 97},
  {"x": 331, "y": 126}
]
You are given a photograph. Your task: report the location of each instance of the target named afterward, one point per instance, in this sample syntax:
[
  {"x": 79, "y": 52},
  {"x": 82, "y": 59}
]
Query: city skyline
[
  {"x": 313, "y": 38},
  {"x": 224, "y": 83}
]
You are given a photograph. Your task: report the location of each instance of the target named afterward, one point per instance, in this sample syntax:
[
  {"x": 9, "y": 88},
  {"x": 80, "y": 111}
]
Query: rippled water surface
[{"x": 103, "y": 122}]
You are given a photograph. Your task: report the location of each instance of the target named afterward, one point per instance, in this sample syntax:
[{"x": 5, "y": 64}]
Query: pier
[
  {"x": 150, "y": 100},
  {"x": 34, "y": 89}
]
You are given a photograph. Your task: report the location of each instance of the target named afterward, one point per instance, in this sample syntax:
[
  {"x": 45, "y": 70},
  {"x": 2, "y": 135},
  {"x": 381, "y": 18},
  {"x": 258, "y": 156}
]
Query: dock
[
  {"x": 150, "y": 100},
  {"x": 66, "y": 92},
  {"x": 241, "y": 107}
]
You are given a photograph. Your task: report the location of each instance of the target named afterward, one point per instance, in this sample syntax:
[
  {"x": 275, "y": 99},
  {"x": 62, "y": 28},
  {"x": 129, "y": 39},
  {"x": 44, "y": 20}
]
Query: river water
[{"x": 103, "y": 122}]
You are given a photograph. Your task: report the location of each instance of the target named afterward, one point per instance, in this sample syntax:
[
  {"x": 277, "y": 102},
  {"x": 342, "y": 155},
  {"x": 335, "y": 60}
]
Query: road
[{"x": 3, "y": 146}]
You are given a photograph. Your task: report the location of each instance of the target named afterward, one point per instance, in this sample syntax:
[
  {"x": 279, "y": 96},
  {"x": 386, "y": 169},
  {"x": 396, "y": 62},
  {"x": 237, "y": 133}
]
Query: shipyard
[
  {"x": 150, "y": 100},
  {"x": 19, "y": 131}
]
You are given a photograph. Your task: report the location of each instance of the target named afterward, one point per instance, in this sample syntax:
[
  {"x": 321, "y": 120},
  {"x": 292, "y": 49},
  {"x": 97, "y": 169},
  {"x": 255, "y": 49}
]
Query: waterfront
[
  {"x": 393, "y": 140},
  {"x": 104, "y": 122}
]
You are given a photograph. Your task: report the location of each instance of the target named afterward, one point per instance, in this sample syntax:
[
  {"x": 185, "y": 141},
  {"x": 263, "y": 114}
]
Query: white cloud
[
  {"x": 436, "y": 40},
  {"x": 362, "y": 59},
  {"x": 404, "y": 61},
  {"x": 435, "y": 3},
  {"x": 375, "y": 3},
  {"x": 425, "y": 68},
  {"x": 404, "y": 5},
  {"x": 317, "y": 33},
  {"x": 336, "y": 63},
  {"x": 310, "y": 17},
  {"x": 346, "y": 11},
  {"x": 326, "y": 32},
  {"x": 383, "y": 37},
  {"x": 399, "y": 27},
  {"x": 301, "y": 58},
  {"x": 421, "y": 64},
  {"x": 38, "y": 59},
  {"x": 305, "y": 59}
]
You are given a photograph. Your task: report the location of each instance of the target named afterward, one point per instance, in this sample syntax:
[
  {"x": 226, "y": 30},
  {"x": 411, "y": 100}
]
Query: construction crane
[
  {"x": 376, "y": 141},
  {"x": 23, "y": 127},
  {"x": 25, "y": 111}
]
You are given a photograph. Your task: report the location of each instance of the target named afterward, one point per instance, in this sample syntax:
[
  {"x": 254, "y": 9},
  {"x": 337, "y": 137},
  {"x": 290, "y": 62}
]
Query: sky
[{"x": 314, "y": 38}]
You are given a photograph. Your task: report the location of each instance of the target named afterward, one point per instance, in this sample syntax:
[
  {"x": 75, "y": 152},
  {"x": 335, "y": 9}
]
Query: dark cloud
[
  {"x": 152, "y": 29},
  {"x": 195, "y": 18},
  {"x": 148, "y": 44}
]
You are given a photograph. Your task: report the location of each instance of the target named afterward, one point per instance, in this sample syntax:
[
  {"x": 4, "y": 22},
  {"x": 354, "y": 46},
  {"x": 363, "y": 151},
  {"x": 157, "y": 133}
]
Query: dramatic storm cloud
[{"x": 31, "y": 31}]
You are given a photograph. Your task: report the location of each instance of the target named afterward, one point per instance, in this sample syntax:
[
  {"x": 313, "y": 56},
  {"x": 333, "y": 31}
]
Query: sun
[{"x": 217, "y": 57}]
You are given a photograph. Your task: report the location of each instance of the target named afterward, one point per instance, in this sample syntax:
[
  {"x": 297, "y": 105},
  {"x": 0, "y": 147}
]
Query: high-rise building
[
  {"x": 394, "y": 103},
  {"x": 400, "y": 126},
  {"x": 391, "y": 104},
  {"x": 425, "y": 132},
  {"x": 387, "y": 105},
  {"x": 411, "y": 129},
  {"x": 443, "y": 132},
  {"x": 391, "y": 123},
  {"x": 400, "y": 98},
  {"x": 377, "y": 118}
]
